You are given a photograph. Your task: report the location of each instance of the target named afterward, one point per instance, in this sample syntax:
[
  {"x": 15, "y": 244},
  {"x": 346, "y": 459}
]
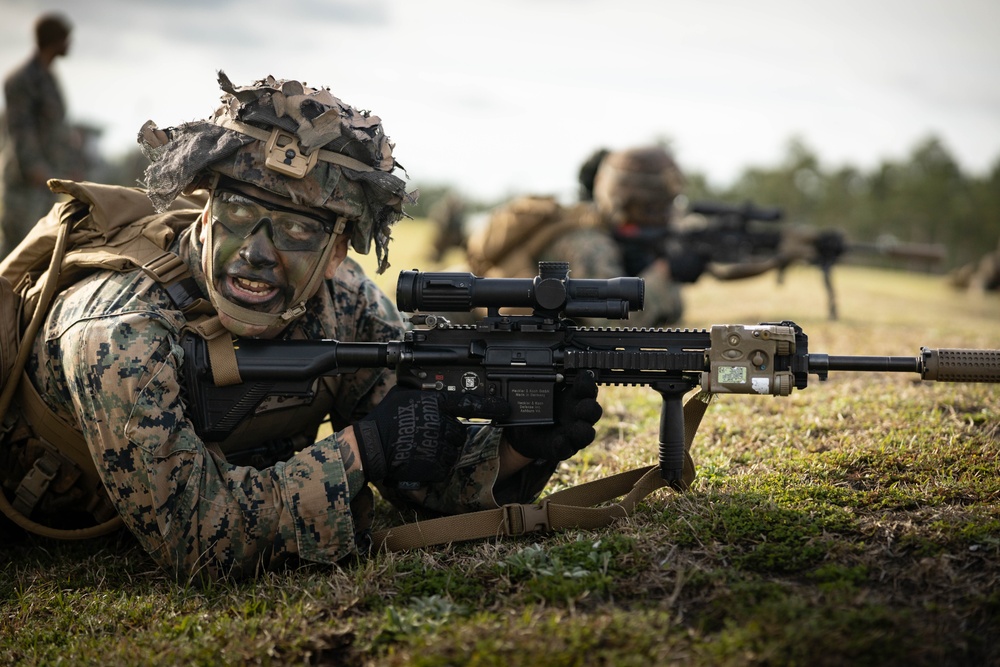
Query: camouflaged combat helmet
[
  {"x": 298, "y": 142},
  {"x": 295, "y": 141},
  {"x": 637, "y": 186}
]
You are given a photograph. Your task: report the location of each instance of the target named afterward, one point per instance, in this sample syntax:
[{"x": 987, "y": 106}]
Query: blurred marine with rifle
[
  {"x": 626, "y": 224},
  {"x": 635, "y": 187},
  {"x": 732, "y": 242}
]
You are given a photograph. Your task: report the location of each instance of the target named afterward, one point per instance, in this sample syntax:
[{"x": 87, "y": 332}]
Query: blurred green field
[{"x": 856, "y": 522}]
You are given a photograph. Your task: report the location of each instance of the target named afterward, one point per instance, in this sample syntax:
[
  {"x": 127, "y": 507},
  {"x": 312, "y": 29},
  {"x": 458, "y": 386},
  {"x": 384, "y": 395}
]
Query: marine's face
[
  {"x": 648, "y": 213},
  {"x": 265, "y": 250}
]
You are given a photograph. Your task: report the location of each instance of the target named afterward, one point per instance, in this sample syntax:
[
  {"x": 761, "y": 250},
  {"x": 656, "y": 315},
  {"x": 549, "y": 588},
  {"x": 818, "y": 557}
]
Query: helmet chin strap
[{"x": 256, "y": 318}]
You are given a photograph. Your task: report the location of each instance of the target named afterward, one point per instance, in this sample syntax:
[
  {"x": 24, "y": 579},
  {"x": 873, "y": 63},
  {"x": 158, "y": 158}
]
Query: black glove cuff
[{"x": 373, "y": 463}]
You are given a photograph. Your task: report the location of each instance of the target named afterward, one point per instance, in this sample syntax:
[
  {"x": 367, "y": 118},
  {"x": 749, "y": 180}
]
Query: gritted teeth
[
  {"x": 252, "y": 285},
  {"x": 252, "y": 292}
]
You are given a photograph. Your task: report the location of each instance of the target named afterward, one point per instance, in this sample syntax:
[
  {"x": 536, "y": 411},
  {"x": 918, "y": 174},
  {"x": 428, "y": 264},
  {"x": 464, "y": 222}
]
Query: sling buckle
[{"x": 521, "y": 519}]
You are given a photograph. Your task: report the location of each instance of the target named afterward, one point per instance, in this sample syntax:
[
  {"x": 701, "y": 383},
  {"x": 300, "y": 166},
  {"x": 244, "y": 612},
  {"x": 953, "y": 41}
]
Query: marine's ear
[{"x": 337, "y": 256}]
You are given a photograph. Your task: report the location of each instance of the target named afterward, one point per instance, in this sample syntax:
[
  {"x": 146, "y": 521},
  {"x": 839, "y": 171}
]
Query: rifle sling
[{"x": 569, "y": 508}]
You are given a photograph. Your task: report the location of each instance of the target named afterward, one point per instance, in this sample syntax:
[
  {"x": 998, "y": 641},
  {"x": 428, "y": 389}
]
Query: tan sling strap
[
  {"x": 221, "y": 351},
  {"x": 570, "y": 508}
]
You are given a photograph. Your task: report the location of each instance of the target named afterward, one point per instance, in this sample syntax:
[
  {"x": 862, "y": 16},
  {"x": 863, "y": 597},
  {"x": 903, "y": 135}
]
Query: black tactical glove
[
  {"x": 576, "y": 412},
  {"x": 408, "y": 439}
]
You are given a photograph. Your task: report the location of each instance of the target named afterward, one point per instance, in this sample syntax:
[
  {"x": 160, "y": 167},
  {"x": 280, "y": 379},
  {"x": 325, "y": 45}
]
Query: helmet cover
[
  {"x": 638, "y": 181},
  {"x": 295, "y": 141}
]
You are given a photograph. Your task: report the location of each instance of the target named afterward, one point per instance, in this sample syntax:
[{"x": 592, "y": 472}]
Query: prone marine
[{"x": 289, "y": 177}]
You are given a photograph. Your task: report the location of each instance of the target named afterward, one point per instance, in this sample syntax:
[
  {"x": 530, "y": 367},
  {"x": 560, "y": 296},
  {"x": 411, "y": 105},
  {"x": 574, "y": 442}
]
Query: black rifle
[
  {"x": 747, "y": 240},
  {"x": 515, "y": 363},
  {"x": 731, "y": 235}
]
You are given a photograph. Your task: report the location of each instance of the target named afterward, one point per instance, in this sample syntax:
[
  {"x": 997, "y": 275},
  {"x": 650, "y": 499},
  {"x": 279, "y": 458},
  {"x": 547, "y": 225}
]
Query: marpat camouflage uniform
[
  {"x": 108, "y": 360},
  {"x": 37, "y": 138}
]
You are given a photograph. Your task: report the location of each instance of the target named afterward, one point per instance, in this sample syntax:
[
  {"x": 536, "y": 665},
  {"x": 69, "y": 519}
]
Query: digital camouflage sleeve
[{"x": 109, "y": 361}]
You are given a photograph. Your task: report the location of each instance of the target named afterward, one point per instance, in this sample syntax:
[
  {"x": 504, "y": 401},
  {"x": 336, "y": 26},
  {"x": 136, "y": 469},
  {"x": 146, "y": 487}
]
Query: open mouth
[{"x": 252, "y": 292}]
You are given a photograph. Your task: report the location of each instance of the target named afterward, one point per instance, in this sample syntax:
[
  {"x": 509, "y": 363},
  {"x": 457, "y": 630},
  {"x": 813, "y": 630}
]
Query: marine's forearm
[{"x": 195, "y": 513}]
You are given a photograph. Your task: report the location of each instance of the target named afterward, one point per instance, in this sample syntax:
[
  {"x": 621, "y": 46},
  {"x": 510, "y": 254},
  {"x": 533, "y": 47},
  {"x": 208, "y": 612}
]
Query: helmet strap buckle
[{"x": 285, "y": 156}]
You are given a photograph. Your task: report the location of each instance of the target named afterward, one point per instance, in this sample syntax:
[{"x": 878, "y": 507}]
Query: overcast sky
[{"x": 504, "y": 96}]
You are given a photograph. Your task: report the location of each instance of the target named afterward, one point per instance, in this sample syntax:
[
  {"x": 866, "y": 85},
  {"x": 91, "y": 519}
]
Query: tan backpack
[
  {"x": 50, "y": 484},
  {"x": 517, "y": 232}
]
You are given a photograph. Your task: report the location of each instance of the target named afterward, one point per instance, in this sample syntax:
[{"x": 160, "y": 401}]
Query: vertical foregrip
[
  {"x": 951, "y": 365},
  {"x": 672, "y": 438}
]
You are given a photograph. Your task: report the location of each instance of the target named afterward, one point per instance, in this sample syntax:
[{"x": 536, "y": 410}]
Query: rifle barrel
[
  {"x": 865, "y": 363},
  {"x": 942, "y": 365}
]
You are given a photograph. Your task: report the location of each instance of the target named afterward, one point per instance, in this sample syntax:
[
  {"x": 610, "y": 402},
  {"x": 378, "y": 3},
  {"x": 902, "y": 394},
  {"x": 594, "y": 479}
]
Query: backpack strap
[
  {"x": 48, "y": 291},
  {"x": 221, "y": 351},
  {"x": 173, "y": 275},
  {"x": 70, "y": 459},
  {"x": 570, "y": 508},
  {"x": 47, "y": 467},
  {"x": 65, "y": 456}
]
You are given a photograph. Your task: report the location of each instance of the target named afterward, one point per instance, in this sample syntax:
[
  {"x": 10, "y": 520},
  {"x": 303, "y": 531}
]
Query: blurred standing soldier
[
  {"x": 632, "y": 189},
  {"x": 37, "y": 137}
]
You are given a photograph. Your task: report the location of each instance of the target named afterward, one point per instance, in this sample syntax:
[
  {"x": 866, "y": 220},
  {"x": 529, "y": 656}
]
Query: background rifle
[
  {"x": 733, "y": 242},
  {"x": 512, "y": 365}
]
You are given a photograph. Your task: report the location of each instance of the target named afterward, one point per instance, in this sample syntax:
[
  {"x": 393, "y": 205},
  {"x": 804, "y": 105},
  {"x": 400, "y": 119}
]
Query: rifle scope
[
  {"x": 551, "y": 292},
  {"x": 747, "y": 211}
]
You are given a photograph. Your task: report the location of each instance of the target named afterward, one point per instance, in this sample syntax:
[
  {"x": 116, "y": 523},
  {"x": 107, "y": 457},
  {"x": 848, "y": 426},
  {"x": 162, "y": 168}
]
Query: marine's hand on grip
[
  {"x": 576, "y": 412},
  {"x": 409, "y": 440}
]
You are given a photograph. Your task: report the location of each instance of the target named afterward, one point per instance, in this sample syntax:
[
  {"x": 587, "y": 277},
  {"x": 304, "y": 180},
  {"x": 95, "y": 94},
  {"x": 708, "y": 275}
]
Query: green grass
[{"x": 855, "y": 522}]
